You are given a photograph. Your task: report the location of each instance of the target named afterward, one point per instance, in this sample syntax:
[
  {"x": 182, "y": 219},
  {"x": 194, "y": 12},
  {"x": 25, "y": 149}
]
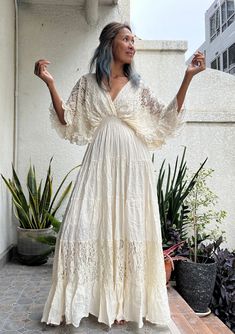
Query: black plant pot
[{"x": 195, "y": 283}]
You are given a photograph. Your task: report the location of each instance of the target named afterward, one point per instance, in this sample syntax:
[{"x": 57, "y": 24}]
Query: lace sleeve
[
  {"x": 165, "y": 117},
  {"x": 77, "y": 127}
]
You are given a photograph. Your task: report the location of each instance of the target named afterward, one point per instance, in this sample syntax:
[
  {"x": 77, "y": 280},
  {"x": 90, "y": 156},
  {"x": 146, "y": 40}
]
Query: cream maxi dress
[{"x": 108, "y": 259}]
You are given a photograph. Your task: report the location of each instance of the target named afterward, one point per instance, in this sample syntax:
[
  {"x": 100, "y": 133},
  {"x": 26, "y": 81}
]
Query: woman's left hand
[{"x": 197, "y": 64}]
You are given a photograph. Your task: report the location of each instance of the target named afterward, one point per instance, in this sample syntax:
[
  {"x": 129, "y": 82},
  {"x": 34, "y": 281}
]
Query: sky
[{"x": 170, "y": 20}]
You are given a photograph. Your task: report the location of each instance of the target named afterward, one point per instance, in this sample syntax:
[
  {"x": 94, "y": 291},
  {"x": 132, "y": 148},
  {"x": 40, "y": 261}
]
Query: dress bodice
[{"x": 137, "y": 106}]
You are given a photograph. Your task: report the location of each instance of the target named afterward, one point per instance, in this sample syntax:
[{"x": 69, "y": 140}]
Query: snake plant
[
  {"x": 32, "y": 213},
  {"x": 172, "y": 189}
]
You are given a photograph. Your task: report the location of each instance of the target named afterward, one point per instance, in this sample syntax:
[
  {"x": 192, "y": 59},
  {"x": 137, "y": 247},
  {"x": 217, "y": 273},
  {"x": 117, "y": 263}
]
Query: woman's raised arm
[
  {"x": 197, "y": 65},
  {"x": 40, "y": 69}
]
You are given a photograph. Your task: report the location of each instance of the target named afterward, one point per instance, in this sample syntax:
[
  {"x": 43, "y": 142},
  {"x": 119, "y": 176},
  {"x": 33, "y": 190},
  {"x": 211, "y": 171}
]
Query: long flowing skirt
[{"x": 108, "y": 259}]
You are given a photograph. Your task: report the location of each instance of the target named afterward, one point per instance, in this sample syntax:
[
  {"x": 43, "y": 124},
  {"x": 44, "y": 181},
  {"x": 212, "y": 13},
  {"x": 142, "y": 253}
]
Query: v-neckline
[{"x": 117, "y": 95}]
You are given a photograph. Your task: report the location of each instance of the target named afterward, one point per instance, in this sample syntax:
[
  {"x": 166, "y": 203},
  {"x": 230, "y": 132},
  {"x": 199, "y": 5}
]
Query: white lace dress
[{"x": 108, "y": 259}]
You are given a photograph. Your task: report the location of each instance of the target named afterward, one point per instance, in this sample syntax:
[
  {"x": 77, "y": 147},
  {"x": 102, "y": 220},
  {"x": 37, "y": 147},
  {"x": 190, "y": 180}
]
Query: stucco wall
[
  {"x": 60, "y": 34},
  {"x": 7, "y": 22},
  {"x": 209, "y": 130}
]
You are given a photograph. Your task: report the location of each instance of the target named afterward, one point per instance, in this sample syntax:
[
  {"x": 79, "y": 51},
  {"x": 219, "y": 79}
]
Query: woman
[{"x": 108, "y": 258}]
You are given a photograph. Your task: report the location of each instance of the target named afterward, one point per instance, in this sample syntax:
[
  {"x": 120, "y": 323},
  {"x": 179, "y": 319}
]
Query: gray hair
[{"x": 103, "y": 55}]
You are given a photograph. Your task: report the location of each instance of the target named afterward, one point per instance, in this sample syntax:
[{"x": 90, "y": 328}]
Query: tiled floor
[{"x": 23, "y": 292}]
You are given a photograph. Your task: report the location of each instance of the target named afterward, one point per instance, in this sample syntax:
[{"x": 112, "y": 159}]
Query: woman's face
[{"x": 123, "y": 46}]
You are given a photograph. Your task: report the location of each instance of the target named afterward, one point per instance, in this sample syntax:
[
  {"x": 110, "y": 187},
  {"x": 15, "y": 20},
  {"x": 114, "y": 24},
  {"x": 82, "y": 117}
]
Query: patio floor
[{"x": 23, "y": 292}]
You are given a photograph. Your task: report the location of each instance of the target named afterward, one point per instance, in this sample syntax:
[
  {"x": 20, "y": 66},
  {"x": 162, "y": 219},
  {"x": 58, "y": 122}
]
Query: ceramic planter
[{"x": 31, "y": 251}]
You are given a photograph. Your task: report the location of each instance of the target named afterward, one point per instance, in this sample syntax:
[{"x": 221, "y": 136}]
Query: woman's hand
[
  {"x": 40, "y": 69},
  {"x": 197, "y": 64}
]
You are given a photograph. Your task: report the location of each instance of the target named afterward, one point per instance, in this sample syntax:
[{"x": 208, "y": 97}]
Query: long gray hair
[{"x": 103, "y": 55}]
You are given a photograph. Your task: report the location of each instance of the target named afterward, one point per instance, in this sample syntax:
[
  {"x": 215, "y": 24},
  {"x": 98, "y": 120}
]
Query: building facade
[{"x": 219, "y": 45}]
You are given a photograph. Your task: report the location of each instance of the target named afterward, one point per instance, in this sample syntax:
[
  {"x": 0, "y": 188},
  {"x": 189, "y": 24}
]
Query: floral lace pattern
[
  {"x": 77, "y": 129},
  {"x": 88, "y": 105},
  {"x": 108, "y": 259},
  {"x": 120, "y": 268},
  {"x": 128, "y": 258}
]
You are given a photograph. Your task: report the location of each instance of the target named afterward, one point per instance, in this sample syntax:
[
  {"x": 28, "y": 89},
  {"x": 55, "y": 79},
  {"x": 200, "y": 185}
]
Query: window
[
  {"x": 228, "y": 60},
  {"x": 223, "y": 16},
  {"x": 215, "y": 25},
  {"x": 215, "y": 64},
  {"x": 218, "y": 63},
  {"x": 225, "y": 60},
  {"x": 230, "y": 8},
  {"x": 231, "y": 55},
  {"x": 227, "y": 13}
]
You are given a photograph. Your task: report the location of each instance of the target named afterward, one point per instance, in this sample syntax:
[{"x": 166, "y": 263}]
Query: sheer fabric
[{"x": 108, "y": 259}]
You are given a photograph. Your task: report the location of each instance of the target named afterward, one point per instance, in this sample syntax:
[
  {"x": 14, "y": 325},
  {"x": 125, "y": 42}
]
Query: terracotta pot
[{"x": 168, "y": 269}]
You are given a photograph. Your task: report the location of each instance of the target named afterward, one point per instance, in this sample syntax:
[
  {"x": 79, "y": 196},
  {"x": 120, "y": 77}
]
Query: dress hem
[{"x": 109, "y": 325}]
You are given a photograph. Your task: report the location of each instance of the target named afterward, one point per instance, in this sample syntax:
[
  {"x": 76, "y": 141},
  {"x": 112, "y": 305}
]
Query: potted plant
[
  {"x": 173, "y": 187},
  {"x": 195, "y": 279},
  {"x": 32, "y": 213},
  {"x": 51, "y": 239},
  {"x": 169, "y": 258}
]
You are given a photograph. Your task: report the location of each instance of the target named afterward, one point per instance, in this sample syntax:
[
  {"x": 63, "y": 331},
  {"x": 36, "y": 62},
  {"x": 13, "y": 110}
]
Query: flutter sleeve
[
  {"x": 165, "y": 118},
  {"x": 77, "y": 127}
]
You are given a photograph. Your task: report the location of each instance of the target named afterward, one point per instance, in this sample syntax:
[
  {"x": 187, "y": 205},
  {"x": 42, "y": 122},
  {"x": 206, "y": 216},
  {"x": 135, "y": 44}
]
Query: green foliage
[
  {"x": 51, "y": 239},
  {"x": 203, "y": 220},
  {"x": 173, "y": 188},
  {"x": 33, "y": 213}
]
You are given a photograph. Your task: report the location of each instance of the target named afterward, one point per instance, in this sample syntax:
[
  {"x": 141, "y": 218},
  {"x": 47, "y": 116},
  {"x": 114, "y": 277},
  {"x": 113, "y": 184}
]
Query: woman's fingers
[
  {"x": 198, "y": 53},
  {"x": 198, "y": 59},
  {"x": 40, "y": 65}
]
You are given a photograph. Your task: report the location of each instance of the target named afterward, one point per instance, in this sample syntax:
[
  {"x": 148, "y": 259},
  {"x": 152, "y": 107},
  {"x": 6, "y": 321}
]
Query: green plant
[
  {"x": 33, "y": 213},
  {"x": 51, "y": 239},
  {"x": 172, "y": 189},
  {"x": 203, "y": 220}
]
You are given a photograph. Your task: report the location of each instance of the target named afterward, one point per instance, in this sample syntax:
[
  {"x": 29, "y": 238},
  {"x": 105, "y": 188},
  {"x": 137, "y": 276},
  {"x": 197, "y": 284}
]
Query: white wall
[
  {"x": 7, "y": 21},
  {"x": 161, "y": 63},
  {"x": 211, "y": 133},
  {"x": 210, "y": 115},
  {"x": 61, "y": 35}
]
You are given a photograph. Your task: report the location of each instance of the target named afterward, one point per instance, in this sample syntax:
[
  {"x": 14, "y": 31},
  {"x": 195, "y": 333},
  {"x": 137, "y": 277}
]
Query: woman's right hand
[{"x": 40, "y": 69}]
